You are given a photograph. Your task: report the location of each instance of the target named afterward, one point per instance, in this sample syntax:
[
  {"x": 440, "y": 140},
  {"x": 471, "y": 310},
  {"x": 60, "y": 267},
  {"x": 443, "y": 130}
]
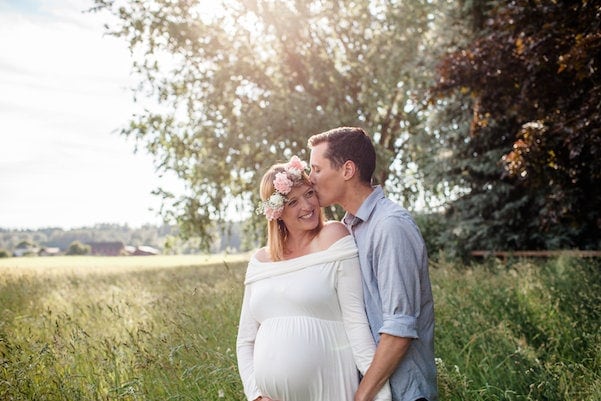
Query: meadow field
[{"x": 164, "y": 328}]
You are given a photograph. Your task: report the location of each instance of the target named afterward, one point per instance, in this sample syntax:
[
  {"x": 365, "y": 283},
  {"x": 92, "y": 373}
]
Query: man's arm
[{"x": 389, "y": 353}]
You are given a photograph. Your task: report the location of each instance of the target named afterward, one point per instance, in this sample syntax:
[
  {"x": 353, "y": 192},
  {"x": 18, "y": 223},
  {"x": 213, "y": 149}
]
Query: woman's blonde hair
[{"x": 277, "y": 233}]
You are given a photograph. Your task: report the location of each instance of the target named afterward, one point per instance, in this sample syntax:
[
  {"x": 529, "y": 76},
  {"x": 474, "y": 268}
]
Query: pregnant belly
[{"x": 296, "y": 356}]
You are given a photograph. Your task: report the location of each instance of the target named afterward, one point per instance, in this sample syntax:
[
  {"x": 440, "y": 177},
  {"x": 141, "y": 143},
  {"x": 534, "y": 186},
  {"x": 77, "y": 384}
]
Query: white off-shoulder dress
[{"x": 303, "y": 333}]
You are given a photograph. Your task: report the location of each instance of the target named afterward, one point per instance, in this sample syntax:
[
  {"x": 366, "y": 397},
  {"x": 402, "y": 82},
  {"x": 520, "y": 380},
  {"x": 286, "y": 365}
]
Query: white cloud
[{"x": 63, "y": 98}]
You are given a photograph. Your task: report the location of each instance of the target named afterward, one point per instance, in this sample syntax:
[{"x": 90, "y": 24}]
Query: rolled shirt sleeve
[{"x": 399, "y": 325}]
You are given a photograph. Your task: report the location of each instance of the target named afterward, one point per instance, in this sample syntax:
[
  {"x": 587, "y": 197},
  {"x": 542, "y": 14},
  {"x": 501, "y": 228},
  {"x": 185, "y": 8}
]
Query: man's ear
[{"x": 349, "y": 169}]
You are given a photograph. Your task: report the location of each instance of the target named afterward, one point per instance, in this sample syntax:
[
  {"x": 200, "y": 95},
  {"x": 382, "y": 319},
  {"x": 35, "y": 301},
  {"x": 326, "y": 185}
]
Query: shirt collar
[{"x": 366, "y": 208}]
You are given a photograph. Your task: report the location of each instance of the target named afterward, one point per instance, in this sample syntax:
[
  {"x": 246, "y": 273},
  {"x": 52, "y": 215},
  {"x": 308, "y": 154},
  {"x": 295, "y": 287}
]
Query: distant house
[
  {"x": 115, "y": 248},
  {"x": 49, "y": 251},
  {"x": 142, "y": 250}
]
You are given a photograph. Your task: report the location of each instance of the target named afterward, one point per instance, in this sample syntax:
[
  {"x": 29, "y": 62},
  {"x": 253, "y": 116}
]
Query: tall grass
[
  {"x": 516, "y": 331},
  {"x": 144, "y": 334},
  {"x": 519, "y": 331}
]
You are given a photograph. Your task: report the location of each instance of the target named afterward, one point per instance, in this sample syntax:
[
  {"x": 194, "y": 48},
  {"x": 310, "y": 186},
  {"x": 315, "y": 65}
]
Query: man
[{"x": 394, "y": 265}]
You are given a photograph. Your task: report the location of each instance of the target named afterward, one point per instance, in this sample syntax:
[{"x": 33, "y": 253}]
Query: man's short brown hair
[{"x": 348, "y": 143}]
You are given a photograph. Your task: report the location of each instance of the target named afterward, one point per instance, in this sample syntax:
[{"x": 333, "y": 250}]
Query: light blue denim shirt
[{"x": 397, "y": 289}]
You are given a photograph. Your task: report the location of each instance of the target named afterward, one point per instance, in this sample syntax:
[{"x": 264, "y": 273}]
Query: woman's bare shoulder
[
  {"x": 262, "y": 255},
  {"x": 331, "y": 232}
]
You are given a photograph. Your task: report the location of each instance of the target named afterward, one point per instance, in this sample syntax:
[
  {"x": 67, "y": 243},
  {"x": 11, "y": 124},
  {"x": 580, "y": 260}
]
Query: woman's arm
[
  {"x": 245, "y": 346},
  {"x": 350, "y": 297}
]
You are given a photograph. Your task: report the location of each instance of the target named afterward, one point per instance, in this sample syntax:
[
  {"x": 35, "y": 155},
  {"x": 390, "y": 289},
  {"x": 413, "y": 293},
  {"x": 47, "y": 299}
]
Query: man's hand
[{"x": 389, "y": 353}]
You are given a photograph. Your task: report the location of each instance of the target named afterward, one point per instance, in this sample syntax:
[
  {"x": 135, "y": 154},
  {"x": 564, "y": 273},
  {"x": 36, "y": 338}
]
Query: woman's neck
[{"x": 299, "y": 244}]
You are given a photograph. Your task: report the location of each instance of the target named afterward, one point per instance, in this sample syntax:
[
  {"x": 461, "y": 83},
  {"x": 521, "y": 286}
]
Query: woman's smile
[{"x": 308, "y": 215}]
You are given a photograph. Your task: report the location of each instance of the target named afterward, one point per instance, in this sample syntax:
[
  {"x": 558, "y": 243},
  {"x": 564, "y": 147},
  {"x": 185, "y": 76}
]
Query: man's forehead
[{"x": 317, "y": 153}]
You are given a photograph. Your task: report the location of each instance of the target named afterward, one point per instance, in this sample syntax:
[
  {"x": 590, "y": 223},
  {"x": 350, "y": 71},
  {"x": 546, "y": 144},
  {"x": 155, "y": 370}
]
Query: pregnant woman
[{"x": 303, "y": 333}]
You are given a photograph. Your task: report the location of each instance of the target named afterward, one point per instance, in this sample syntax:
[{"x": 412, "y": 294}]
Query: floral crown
[{"x": 284, "y": 181}]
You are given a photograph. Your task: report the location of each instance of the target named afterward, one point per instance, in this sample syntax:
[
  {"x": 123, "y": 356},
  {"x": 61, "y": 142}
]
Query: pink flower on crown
[
  {"x": 297, "y": 163},
  {"x": 282, "y": 183},
  {"x": 273, "y": 214},
  {"x": 294, "y": 172}
]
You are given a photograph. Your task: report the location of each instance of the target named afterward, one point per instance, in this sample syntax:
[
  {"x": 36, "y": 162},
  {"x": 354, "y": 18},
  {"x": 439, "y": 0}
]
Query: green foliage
[
  {"x": 4, "y": 253},
  {"x": 432, "y": 227},
  {"x": 528, "y": 173},
  {"x": 25, "y": 244},
  {"x": 505, "y": 138},
  {"x": 231, "y": 93},
  {"x": 77, "y": 248},
  {"x": 521, "y": 331},
  {"x": 524, "y": 331}
]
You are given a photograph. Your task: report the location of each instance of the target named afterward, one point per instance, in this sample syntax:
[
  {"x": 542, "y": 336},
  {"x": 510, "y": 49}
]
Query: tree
[
  {"x": 26, "y": 248},
  {"x": 238, "y": 89},
  {"x": 526, "y": 170},
  {"x": 26, "y": 244},
  {"x": 77, "y": 248}
]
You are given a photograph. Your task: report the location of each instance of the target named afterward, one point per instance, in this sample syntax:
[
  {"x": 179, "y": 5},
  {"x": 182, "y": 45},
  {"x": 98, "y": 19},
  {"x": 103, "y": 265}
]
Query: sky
[{"x": 64, "y": 95}]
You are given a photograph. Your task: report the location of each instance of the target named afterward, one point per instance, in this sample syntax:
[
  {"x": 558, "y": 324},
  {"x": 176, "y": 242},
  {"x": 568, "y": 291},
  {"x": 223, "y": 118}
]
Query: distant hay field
[{"x": 81, "y": 265}]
